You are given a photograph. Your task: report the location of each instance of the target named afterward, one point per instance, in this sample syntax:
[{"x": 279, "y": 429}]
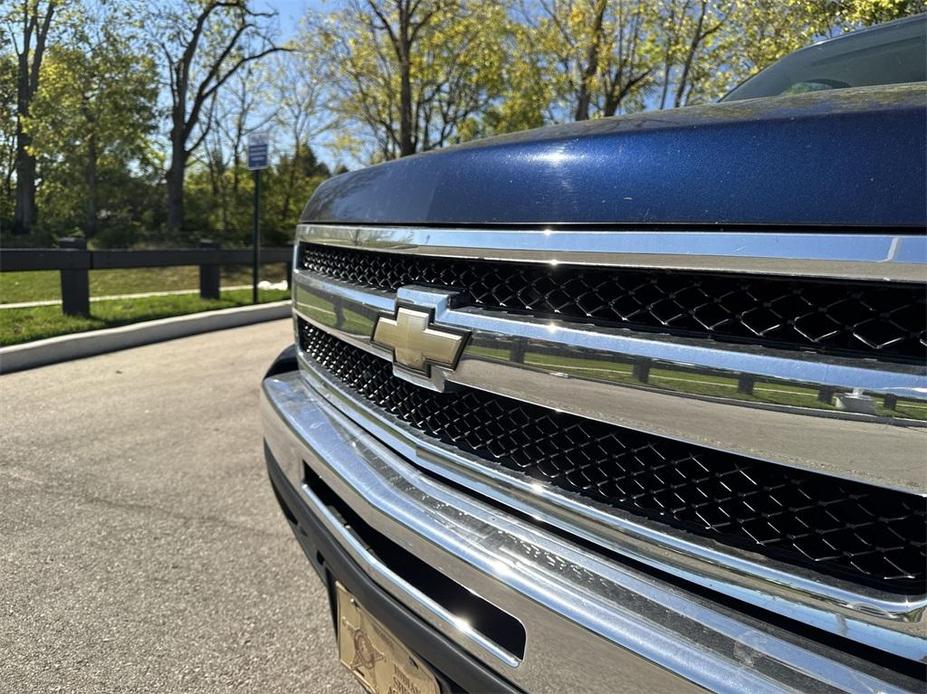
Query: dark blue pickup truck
[{"x": 635, "y": 404}]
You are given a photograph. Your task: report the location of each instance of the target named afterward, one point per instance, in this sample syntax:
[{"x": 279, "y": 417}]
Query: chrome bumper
[{"x": 591, "y": 624}]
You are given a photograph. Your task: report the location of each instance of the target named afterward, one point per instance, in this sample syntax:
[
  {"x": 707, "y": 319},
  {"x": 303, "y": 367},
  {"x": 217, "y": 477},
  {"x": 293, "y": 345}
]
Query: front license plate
[{"x": 376, "y": 657}]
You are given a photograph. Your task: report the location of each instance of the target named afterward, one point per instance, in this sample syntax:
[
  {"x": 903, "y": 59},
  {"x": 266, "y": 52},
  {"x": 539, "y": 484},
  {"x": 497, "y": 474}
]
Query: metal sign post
[{"x": 258, "y": 158}]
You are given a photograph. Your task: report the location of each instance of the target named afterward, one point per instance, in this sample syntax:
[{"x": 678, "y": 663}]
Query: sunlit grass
[
  {"x": 18, "y": 325},
  {"x": 17, "y": 287}
]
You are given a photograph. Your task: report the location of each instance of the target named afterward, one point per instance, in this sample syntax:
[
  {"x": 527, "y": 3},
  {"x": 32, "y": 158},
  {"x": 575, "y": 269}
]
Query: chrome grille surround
[
  {"x": 585, "y": 370},
  {"x": 862, "y": 319}
]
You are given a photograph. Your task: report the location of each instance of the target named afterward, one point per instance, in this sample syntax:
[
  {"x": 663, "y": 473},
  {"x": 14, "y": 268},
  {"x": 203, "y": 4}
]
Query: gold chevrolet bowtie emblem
[{"x": 415, "y": 342}]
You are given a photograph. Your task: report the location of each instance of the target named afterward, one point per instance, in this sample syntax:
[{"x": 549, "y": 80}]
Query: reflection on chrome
[
  {"x": 501, "y": 568},
  {"x": 886, "y": 257},
  {"x": 462, "y": 624},
  {"x": 705, "y": 383}
]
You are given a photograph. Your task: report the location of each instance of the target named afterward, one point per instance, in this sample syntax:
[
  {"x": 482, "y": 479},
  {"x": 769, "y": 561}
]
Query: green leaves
[
  {"x": 90, "y": 120},
  {"x": 414, "y": 75}
]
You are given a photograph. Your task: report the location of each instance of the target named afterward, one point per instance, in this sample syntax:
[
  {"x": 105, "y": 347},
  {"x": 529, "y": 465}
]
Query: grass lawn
[
  {"x": 19, "y": 325},
  {"x": 16, "y": 287}
]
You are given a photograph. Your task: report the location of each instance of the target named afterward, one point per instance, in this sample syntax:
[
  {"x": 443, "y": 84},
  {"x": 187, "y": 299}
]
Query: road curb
[{"x": 79, "y": 345}]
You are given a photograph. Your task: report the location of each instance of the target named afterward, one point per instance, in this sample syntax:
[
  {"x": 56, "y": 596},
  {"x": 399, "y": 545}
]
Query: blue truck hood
[{"x": 853, "y": 157}]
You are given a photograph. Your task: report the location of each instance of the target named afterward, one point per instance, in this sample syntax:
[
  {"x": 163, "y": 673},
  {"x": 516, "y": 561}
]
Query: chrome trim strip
[
  {"x": 628, "y": 631},
  {"x": 591, "y": 374},
  {"x": 890, "y": 622},
  {"x": 900, "y": 379},
  {"x": 886, "y": 257}
]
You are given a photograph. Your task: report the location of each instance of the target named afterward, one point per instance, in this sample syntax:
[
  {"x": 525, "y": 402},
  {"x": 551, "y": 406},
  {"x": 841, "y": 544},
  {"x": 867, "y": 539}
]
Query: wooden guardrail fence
[{"x": 74, "y": 261}]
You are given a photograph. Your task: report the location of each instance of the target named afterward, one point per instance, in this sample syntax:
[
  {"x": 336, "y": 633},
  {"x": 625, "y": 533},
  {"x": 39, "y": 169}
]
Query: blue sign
[{"x": 258, "y": 151}]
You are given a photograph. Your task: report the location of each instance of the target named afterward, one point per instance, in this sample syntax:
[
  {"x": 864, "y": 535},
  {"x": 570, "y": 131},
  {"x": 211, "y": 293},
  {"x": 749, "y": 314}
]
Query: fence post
[
  {"x": 289, "y": 275},
  {"x": 209, "y": 274},
  {"x": 640, "y": 371},
  {"x": 890, "y": 401},
  {"x": 826, "y": 394},
  {"x": 745, "y": 384},
  {"x": 75, "y": 284}
]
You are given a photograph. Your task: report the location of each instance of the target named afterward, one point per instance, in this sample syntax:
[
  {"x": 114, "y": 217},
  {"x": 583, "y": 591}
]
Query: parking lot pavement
[{"x": 141, "y": 548}]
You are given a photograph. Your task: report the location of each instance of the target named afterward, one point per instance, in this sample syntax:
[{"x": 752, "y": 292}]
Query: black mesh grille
[
  {"x": 862, "y": 533},
  {"x": 870, "y": 319}
]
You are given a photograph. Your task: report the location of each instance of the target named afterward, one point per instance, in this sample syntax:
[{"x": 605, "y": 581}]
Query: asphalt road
[{"x": 141, "y": 548}]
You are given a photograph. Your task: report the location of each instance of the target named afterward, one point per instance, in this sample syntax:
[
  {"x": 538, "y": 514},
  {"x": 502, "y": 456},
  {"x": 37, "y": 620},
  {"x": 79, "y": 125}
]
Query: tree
[
  {"x": 290, "y": 184},
  {"x": 293, "y": 176},
  {"x": 233, "y": 115},
  {"x": 92, "y": 119},
  {"x": 527, "y": 89},
  {"x": 417, "y": 74},
  {"x": 852, "y": 13},
  {"x": 30, "y": 24},
  {"x": 290, "y": 90},
  {"x": 203, "y": 44},
  {"x": 690, "y": 32},
  {"x": 596, "y": 51},
  {"x": 402, "y": 30},
  {"x": 7, "y": 132},
  {"x": 300, "y": 91}
]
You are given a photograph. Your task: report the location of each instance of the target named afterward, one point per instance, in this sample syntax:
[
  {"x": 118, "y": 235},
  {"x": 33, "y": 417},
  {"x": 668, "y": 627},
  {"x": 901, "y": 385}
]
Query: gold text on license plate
[{"x": 376, "y": 657}]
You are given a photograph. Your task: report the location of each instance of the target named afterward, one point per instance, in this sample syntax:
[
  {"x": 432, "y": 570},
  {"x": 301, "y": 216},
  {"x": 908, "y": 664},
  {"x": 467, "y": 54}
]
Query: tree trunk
[
  {"x": 613, "y": 100},
  {"x": 217, "y": 68},
  {"x": 92, "y": 225},
  {"x": 24, "y": 215},
  {"x": 175, "y": 174},
  {"x": 697, "y": 37},
  {"x": 406, "y": 146},
  {"x": 670, "y": 43},
  {"x": 584, "y": 96},
  {"x": 174, "y": 182},
  {"x": 27, "y": 83}
]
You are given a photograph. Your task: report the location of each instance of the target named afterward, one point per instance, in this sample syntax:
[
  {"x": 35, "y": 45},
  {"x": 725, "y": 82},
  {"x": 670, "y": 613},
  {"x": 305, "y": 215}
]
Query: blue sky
[{"x": 291, "y": 11}]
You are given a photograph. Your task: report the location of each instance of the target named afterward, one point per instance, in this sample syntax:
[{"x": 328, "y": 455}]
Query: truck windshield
[{"x": 892, "y": 53}]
